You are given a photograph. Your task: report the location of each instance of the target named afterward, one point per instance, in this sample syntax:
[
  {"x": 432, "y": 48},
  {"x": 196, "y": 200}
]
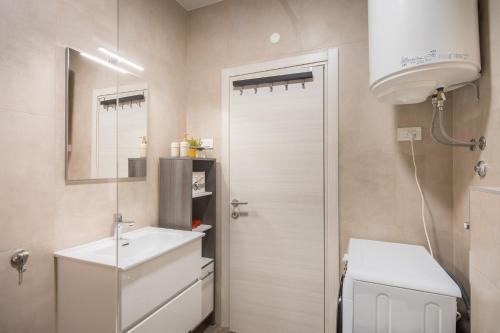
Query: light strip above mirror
[
  {"x": 120, "y": 59},
  {"x": 103, "y": 62}
]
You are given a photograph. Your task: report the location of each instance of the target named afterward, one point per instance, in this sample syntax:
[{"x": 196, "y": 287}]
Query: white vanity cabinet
[{"x": 157, "y": 280}]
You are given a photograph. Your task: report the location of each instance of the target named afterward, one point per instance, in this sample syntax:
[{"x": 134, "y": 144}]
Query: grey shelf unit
[{"x": 178, "y": 208}]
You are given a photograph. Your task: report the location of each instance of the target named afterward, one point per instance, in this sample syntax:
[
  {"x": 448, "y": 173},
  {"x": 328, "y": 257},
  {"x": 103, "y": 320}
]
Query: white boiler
[{"x": 417, "y": 46}]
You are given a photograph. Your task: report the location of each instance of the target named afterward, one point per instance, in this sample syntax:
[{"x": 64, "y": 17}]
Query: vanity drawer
[
  {"x": 207, "y": 295},
  {"x": 180, "y": 315},
  {"x": 155, "y": 282}
]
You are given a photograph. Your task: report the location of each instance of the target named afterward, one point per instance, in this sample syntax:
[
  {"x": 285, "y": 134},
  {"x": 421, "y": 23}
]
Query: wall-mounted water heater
[{"x": 417, "y": 46}]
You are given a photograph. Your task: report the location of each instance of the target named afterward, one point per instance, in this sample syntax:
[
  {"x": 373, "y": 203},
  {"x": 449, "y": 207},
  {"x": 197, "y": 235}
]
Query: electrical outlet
[{"x": 405, "y": 132}]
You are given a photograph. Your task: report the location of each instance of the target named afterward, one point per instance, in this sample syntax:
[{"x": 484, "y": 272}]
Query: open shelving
[
  {"x": 201, "y": 194},
  {"x": 179, "y": 206}
]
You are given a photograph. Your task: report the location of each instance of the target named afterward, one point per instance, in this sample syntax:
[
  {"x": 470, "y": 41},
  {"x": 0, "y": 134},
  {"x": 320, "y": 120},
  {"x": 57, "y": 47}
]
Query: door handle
[
  {"x": 235, "y": 203},
  {"x": 236, "y": 212}
]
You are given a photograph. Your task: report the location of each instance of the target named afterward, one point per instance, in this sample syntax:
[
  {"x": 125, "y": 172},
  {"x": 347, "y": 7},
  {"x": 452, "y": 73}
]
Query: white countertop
[{"x": 137, "y": 246}]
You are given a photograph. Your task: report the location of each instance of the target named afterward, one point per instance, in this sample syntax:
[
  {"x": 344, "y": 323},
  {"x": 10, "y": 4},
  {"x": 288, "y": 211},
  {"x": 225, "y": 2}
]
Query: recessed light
[{"x": 275, "y": 38}]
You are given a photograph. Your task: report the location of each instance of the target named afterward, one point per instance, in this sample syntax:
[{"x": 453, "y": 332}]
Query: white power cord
[{"x": 411, "y": 137}]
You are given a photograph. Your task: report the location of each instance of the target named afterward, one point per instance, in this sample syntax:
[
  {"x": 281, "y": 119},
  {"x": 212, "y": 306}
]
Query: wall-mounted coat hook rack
[{"x": 270, "y": 81}]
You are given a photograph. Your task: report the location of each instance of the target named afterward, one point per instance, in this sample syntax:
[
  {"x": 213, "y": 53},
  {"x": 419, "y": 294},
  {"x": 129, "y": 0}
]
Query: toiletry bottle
[
  {"x": 143, "y": 150},
  {"x": 175, "y": 149},
  {"x": 184, "y": 146}
]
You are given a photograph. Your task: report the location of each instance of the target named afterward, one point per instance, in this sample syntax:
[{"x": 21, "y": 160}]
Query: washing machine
[{"x": 395, "y": 288}]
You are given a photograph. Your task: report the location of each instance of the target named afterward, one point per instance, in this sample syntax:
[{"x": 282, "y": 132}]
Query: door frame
[{"x": 330, "y": 59}]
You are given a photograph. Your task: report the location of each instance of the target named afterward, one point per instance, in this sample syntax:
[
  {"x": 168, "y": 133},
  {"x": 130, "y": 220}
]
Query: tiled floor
[{"x": 215, "y": 329}]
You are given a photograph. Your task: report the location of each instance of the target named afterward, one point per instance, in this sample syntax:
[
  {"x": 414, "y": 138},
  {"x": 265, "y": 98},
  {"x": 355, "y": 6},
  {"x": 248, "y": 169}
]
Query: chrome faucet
[{"x": 118, "y": 220}]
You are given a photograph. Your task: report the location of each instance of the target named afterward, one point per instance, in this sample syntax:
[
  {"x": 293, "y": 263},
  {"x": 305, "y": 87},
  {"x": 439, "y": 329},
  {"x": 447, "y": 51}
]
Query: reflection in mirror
[{"x": 106, "y": 125}]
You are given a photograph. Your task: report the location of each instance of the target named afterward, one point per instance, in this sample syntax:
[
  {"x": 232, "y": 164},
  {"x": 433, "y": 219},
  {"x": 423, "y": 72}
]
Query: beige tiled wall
[
  {"x": 484, "y": 259},
  {"x": 27, "y": 193},
  {"x": 38, "y": 210},
  {"x": 472, "y": 119},
  {"x": 379, "y": 199},
  {"x": 378, "y": 196}
]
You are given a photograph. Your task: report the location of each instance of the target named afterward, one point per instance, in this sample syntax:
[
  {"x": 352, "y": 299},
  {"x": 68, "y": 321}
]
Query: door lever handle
[
  {"x": 235, "y": 203},
  {"x": 236, "y": 211}
]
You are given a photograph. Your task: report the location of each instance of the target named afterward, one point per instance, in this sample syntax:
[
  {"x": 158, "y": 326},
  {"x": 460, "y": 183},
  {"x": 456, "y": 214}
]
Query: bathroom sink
[
  {"x": 158, "y": 273},
  {"x": 136, "y": 247}
]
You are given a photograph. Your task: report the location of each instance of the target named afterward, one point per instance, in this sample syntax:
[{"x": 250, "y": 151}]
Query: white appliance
[
  {"x": 397, "y": 288},
  {"x": 417, "y": 46}
]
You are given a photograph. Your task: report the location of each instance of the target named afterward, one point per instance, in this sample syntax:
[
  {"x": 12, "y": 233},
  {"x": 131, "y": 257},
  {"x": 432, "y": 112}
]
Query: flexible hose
[
  {"x": 422, "y": 205},
  {"x": 449, "y": 141},
  {"x": 452, "y": 141},
  {"x": 433, "y": 129}
]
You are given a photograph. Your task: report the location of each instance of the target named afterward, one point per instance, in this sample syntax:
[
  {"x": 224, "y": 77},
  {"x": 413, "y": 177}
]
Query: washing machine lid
[{"x": 398, "y": 265}]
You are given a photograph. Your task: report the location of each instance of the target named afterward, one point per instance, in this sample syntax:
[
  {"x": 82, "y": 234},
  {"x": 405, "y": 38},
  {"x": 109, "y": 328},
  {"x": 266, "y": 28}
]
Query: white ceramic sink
[{"x": 136, "y": 247}]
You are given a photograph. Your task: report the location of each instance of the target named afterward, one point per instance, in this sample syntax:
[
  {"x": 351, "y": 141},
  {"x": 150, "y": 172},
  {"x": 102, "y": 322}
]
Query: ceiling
[{"x": 195, "y": 4}]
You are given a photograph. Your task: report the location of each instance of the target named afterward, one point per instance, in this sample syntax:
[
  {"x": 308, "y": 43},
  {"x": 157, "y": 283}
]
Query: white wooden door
[{"x": 277, "y": 244}]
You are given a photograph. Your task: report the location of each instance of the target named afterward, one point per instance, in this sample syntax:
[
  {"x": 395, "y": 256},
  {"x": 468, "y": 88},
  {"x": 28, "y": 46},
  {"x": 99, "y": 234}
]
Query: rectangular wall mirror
[{"x": 106, "y": 119}]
